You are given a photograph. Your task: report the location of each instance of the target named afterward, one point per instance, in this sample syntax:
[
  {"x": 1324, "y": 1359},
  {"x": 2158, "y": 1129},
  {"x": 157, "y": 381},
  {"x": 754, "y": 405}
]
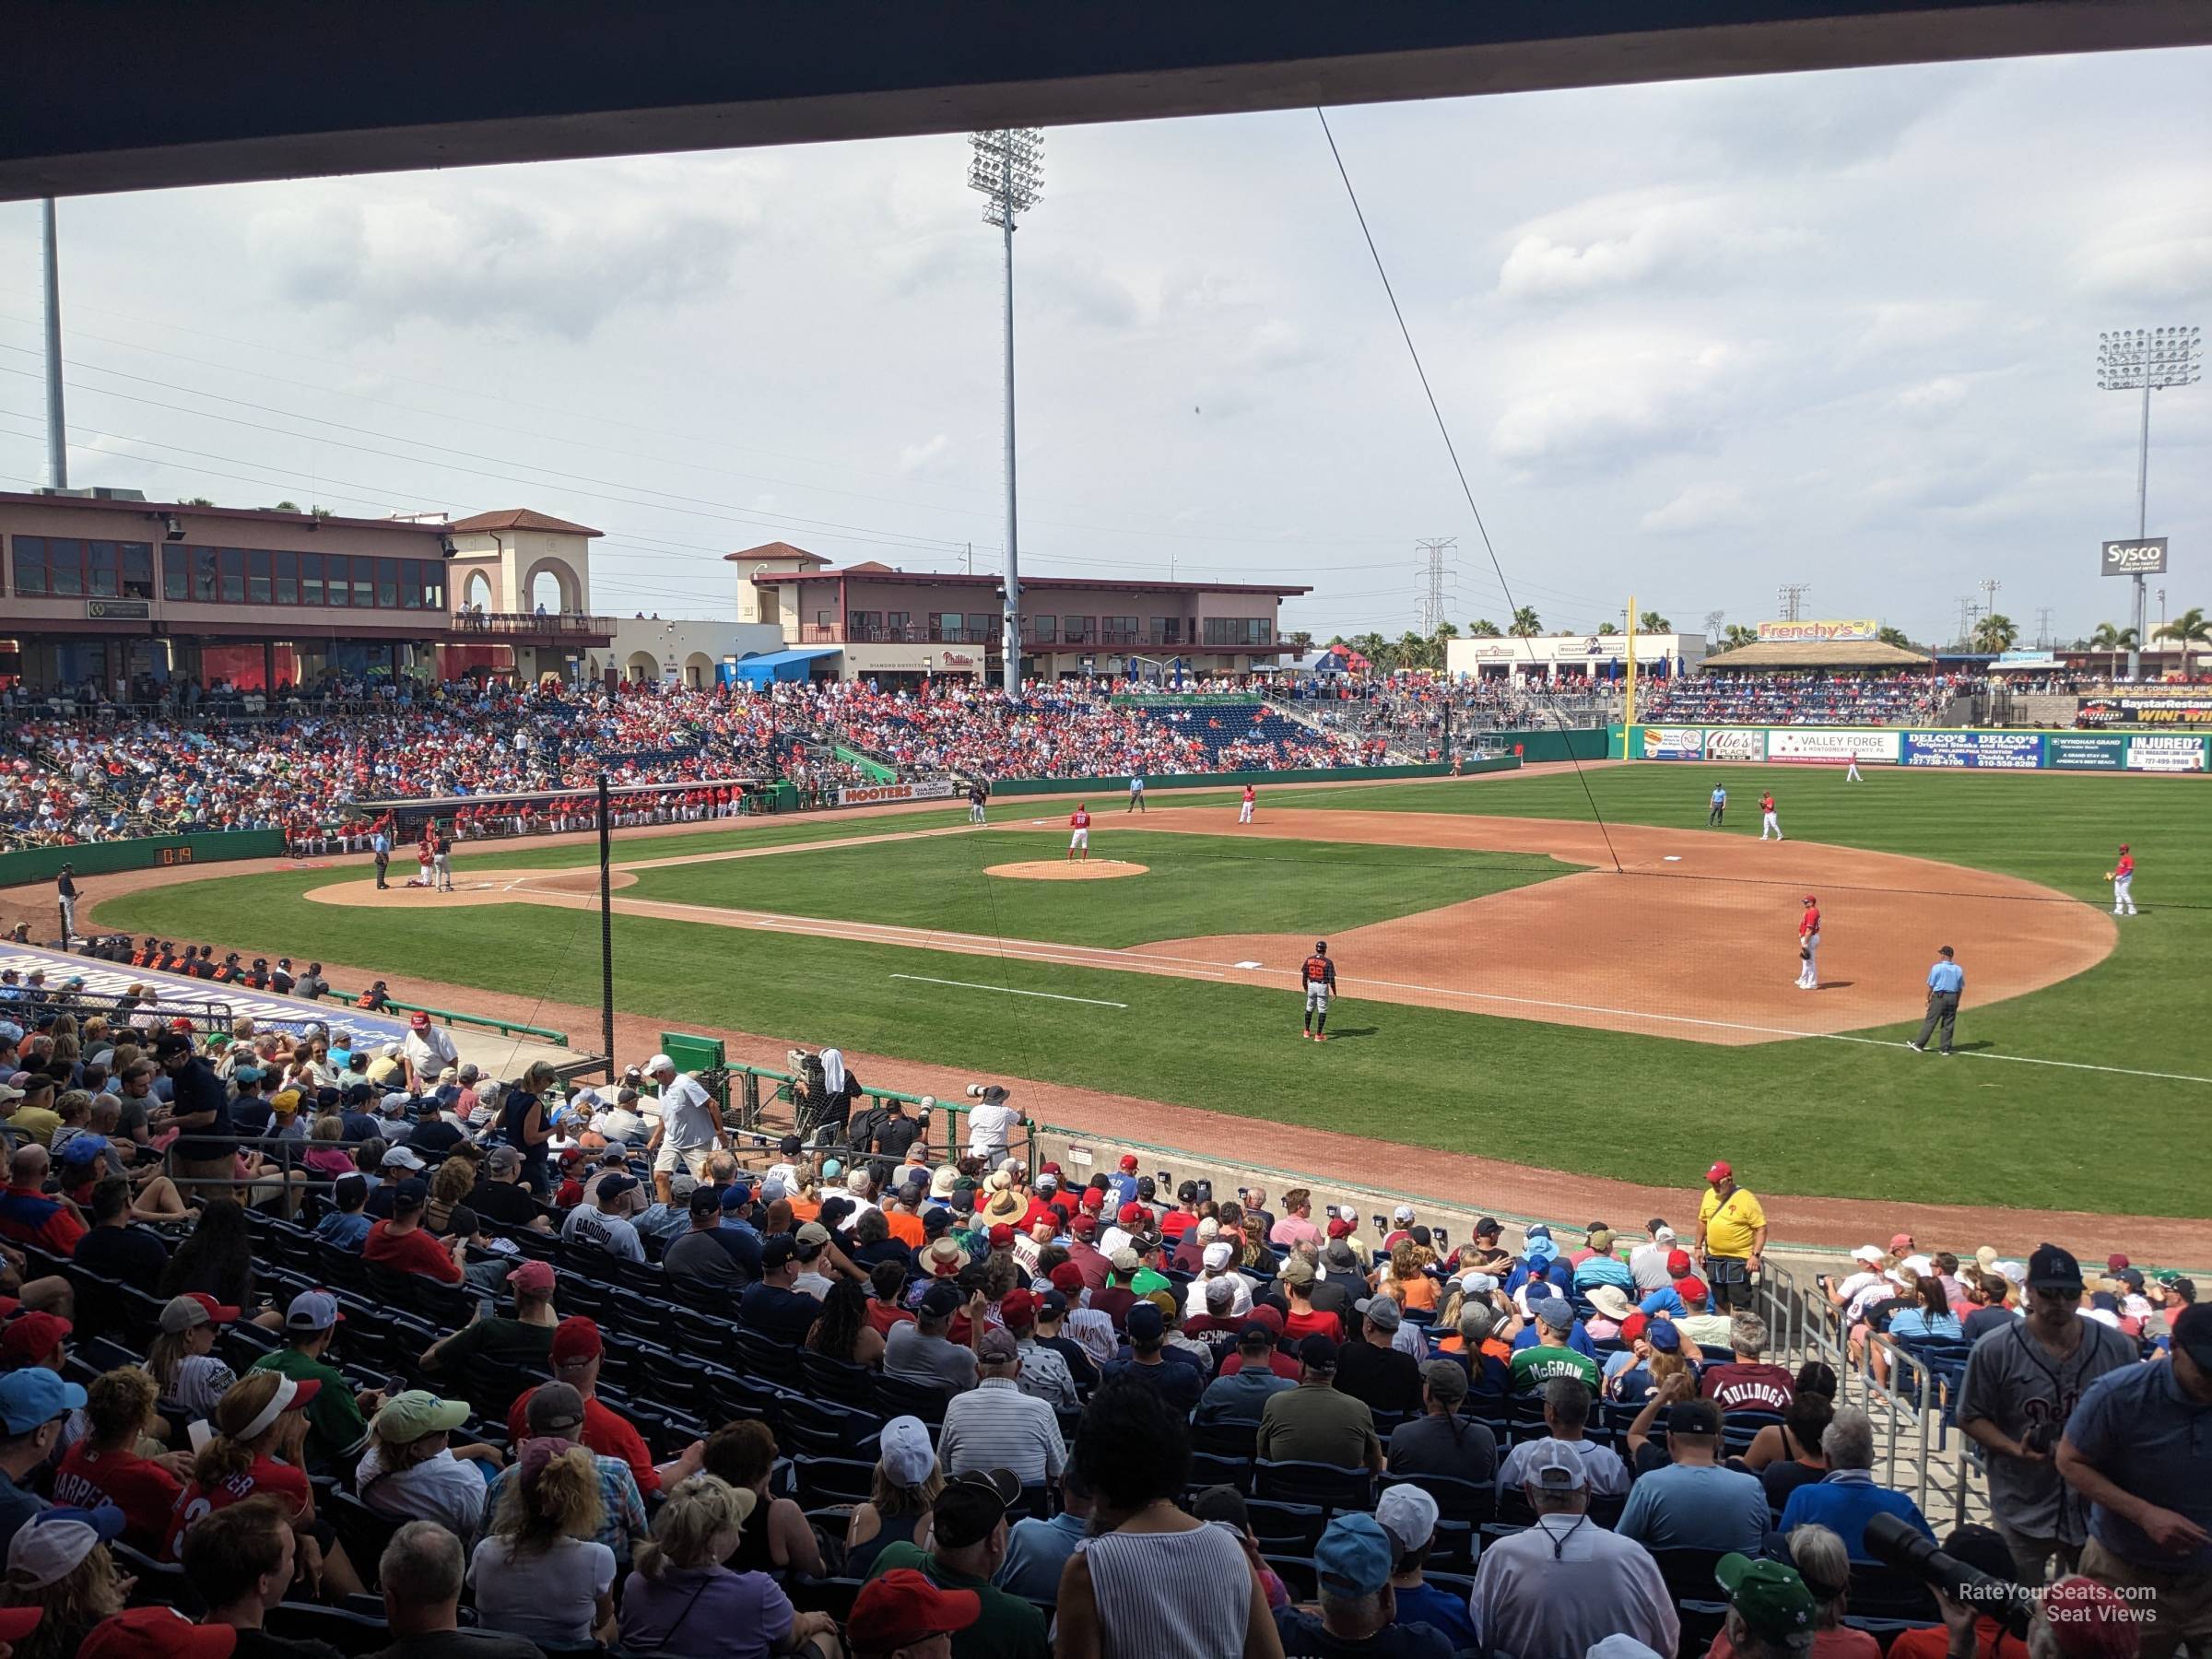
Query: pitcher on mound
[{"x": 1078, "y": 842}]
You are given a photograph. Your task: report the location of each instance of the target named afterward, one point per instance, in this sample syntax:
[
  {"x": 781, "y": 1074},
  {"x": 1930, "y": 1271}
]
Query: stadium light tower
[
  {"x": 2146, "y": 361},
  {"x": 1008, "y": 169}
]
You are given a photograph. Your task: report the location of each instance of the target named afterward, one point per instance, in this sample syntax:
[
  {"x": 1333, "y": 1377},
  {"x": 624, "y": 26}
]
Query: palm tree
[
  {"x": 1376, "y": 649},
  {"x": 1606, "y": 627},
  {"x": 1995, "y": 632},
  {"x": 1525, "y": 625},
  {"x": 1737, "y": 636},
  {"x": 1482, "y": 628},
  {"x": 1894, "y": 636},
  {"x": 1299, "y": 641},
  {"x": 1653, "y": 622},
  {"x": 2188, "y": 629},
  {"x": 2115, "y": 639},
  {"x": 1413, "y": 651}
]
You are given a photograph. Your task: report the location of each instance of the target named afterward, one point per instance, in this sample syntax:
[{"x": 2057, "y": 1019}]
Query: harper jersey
[
  {"x": 1078, "y": 819},
  {"x": 2126, "y": 866}
]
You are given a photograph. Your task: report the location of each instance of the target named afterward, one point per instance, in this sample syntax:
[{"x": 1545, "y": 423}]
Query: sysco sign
[{"x": 2143, "y": 556}]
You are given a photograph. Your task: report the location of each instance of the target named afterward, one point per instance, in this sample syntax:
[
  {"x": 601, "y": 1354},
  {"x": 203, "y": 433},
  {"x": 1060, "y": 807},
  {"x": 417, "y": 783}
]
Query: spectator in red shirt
[
  {"x": 577, "y": 1353},
  {"x": 105, "y": 1466},
  {"x": 1280, "y": 1363},
  {"x": 28, "y": 1216},
  {"x": 1302, "y": 1320},
  {"x": 402, "y": 1244}
]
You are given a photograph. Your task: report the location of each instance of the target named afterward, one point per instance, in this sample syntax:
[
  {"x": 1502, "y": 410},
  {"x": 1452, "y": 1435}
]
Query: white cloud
[
  {"x": 1932, "y": 399},
  {"x": 1624, "y": 242},
  {"x": 928, "y": 456},
  {"x": 1601, "y": 400},
  {"x": 2153, "y": 262},
  {"x": 1697, "y": 507}
]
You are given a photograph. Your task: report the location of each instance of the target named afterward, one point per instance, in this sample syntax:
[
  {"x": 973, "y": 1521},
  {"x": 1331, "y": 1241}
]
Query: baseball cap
[
  {"x": 1693, "y": 1416},
  {"x": 313, "y": 1311},
  {"x": 703, "y": 1201},
  {"x": 2193, "y": 1333},
  {"x": 1634, "y": 1326},
  {"x": 1066, "y": 1278},
  {"x": 35, "y": 1396},
  {"x": 1143, "y": 1323},
  {"x": 415, "y": 1412},
  {"x": 31, "y": 1337},
  {"x": 1355, "y": 1555},
  {"x": 1554, "y": 1465},
  {"x": 996, "y": 1347},
  {"x": 1018, "y": 1308},
  {"x": 971, "y": 1504},
  {"x": 192, "y": 1310},
  {"x": 737, "y": 1195},
  {"x": 1318, "y": 1351},
  {"x": 1128, "y": 1160},
  {"x": 1123, "y": 1259},
  {"x": 778, "y": 1251},
  {"x": 2114, "y": 1263},
  {"x": 1555, "y": 1311},
  {"x": 157, "y": 1633},
  {"x": 1869, "y": 1254},
  {"x": 403, "y": 1158},
  {"x": 1677, "y": 1263},
  {"x": 1771, "y": 1598},
  {"x": 1445, "y": 1380},
  {"x": 902, "y": 1608},
  {"x": 554, "y": 1408},
  {"x": 1217, "y": 1254},
  {"x": 1720, "y": 1170},
  {"x": 2051, "y": 1269},
  {"x": 1381, "y": 1311},
  {"x": 906, "y": 1455},
  {"x": 1664, "y": 1337},
  {"x": 408, "y": 1197},
  {"x": 53, "y": 1543},
  {"x": 942, "y": 1299},
  {"x": 1692, "y": 1289},
  {"x": 659, "y": 1063},
  {"x": 1297, "y": 1271},
  {"x": 1340, "y": 1227},
  {"x": 533, "y": 1278},
  {"x": 1899, "y": 1242},
  {"x": 1407, "y": 1514},
  {"x": 576, "y": 1340},
  {"x": 1130, "y": 1214}
]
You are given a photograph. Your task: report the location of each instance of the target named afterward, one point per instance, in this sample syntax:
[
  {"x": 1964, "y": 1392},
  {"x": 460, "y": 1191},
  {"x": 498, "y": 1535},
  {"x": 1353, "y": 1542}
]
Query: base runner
[
  {"x": 1319, "y": 974},
  {"x": 1244, "y": 812},
  {"x": 1808, "y": 945},
  {"x": 1078, "y": 843}
]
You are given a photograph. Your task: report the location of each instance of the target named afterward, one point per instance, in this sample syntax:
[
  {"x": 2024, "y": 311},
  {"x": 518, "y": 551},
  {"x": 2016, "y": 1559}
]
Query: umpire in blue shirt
[{"x": 1945, "y": 981}]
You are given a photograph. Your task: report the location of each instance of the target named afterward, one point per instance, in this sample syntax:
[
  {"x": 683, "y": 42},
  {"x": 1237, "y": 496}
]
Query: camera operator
[
  {"x": 2139, "y": 1449},
  {"x": 991, "y": 1122},
  {"x": 1986, "y": 1615},
  {"x": 2021, "y": 1385}
]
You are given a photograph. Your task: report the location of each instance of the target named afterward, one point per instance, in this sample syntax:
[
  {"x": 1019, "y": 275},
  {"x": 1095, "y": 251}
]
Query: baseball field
[{"x": 1559, "y": 970}]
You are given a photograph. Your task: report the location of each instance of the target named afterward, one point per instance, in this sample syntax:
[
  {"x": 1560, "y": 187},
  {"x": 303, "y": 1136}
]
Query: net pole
[{"x": 606, "y": 931}]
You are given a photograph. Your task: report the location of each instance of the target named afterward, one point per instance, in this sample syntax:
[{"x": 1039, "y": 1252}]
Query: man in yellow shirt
[
  {"x": 1731, "y": 1239},
  {"x": 30, "y": 1110}
]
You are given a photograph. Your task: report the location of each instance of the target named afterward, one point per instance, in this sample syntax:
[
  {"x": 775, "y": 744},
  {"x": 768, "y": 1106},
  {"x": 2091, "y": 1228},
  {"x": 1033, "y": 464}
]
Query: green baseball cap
[
  {"x": 1771, "y": 1597},
  {"x": 408, "y": 1416}
]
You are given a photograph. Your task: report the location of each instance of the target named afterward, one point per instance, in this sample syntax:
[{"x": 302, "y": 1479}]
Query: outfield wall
[
  {"x": 146, "y": 852},
  {"x": 1986, "y": 749}
]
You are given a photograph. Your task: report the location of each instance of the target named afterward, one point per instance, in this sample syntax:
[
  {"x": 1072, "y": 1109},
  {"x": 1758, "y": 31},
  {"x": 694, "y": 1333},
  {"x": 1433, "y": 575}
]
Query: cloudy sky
[{"x": 1691, "y": 341}]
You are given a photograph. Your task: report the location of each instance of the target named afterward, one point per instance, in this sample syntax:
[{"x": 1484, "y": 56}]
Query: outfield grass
[
  {"x": 1191, "y": 885},
  {"x": 729, "y": 838},
  {"x": 1811, "y": 1116}
]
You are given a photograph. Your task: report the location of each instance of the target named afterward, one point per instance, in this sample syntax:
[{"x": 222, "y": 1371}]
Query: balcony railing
[
  {"x": 497, "y": 624},
  {"x": 919, "y": 633}
]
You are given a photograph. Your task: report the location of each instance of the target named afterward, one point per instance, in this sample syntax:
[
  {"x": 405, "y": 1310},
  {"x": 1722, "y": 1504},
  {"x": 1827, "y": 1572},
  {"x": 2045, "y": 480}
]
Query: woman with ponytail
[{"x": 538, "y": 1571}]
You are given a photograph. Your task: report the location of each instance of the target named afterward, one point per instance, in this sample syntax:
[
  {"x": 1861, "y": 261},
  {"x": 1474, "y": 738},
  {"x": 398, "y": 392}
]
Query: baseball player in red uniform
[
  {"x": 1318, "y": 974},
  {"x": 1244, "y": 812},
  {"x": 1768, "y": 822},
  {"x": 1078, "y": 843},
  {"x": 2123, "y": 883},
  {"x": 1808, "y": 945}
]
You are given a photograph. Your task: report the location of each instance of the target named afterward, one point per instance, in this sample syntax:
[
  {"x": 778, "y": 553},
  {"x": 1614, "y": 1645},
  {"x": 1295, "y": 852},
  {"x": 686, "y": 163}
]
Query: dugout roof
[{"x": 1799, "y": 653}]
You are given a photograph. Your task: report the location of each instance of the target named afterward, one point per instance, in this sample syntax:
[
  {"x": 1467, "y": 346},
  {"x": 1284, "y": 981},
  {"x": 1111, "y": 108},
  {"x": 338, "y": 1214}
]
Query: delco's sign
[{"x": 2146, "y": 557}]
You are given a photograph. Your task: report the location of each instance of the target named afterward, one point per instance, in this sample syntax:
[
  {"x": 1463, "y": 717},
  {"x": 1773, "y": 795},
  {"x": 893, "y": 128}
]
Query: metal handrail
[{"x": 505, "y": 1027}]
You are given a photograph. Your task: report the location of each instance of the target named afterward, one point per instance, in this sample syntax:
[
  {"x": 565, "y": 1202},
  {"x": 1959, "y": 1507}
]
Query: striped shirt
[
  {"x": 1169, "y": 1594},
  {"x": 995, "y": 1426}
]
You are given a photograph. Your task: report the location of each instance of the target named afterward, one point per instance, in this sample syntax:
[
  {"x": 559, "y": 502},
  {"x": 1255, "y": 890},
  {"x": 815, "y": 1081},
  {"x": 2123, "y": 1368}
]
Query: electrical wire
[{"x": 1451, "y": 449}]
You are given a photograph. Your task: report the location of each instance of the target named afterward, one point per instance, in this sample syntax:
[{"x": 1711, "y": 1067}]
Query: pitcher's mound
[{"x": 1062, "y": 869}]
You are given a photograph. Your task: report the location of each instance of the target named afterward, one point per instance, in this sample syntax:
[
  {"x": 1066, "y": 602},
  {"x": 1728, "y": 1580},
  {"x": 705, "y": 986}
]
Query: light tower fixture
[
  {"x": 2146, "y": 361},
  {"x": 1007, "y": 168}
]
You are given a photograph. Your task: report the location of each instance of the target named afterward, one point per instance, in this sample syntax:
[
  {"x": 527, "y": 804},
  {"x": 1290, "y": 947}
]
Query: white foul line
[{"x": 923, "y": 979}]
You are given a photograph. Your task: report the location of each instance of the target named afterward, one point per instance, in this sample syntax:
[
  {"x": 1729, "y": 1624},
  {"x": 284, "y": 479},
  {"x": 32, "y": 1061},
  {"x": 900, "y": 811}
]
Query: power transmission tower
[
  {"x": 1432, "y": 595},
  {"x": 1792, "y": 599},
  {"x": 2043, "y": 628},
  {"x": 1968, "y": 610}
]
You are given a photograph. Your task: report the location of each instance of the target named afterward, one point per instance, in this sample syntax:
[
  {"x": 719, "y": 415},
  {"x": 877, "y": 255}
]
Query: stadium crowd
[
  {"x": 1861, "y": 699},
  {"x": 65, "y": 780},
  {"x": 312, "y": 1351}
]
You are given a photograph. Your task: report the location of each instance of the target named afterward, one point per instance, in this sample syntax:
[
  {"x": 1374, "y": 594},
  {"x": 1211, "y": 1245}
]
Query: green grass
[
  {"x": 1192, "y": 884},
  {"x": 1812, "y": 1116},
  {"x": 749, "y": 832}
]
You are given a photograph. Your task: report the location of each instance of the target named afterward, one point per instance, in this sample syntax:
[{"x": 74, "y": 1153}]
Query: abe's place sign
[{"x": 2146, "y": 556}]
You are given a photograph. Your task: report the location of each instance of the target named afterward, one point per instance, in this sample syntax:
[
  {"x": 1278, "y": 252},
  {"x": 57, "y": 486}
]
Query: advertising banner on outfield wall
[
  {"x": 2165, "y": 753},
  {"x": 1736, "y": 743},
  {"x": 2086, "y": 751},
  {"x": 1673, "y": 743},
  {"x": 2016, "y": 751},
  {"x": 1804, "y": 747},
  {"x": 874, "y": 795}
]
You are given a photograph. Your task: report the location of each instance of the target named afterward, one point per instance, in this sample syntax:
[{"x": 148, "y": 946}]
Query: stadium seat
[
  {"x": 1469, "y": 1502},
  {"x": 834, "y": 1480},
  {"x": 764, "y": 1358},
  {"x": 1290, "y": 1481},
  {"x": 897, "y": 1397},
  {"x": 361, "y": 1530},
  {"x": 1291, "y": 1529},
  {"x": 835, "y": 1380},
  {"x": 350, "y": 1632}
]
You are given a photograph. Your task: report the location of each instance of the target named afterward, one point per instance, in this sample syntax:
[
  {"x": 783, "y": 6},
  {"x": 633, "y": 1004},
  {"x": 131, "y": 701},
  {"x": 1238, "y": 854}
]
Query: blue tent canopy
[{"x": 759, "y": 671}]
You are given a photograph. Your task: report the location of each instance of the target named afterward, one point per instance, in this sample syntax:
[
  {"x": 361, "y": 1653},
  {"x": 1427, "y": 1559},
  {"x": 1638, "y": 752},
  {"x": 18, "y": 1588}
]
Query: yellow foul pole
[{"x": 1627, "y": 725}]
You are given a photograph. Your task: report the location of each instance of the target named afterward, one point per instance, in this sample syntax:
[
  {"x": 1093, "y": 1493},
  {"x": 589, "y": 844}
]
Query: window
[
  {"x": 364, "y": 583},
  {"x": 338, "y": 567},
  {"x": 1080, "y": 631},
  {"x": 1167, "y": 631},
  {"x": 231, "y": 564},
  {"x": 311, "y": 578},
  {"x": 137, "y": 570},
  {"x": 1118, "y": 630},
  {"x": 203, "y": 575},
  {"x": 103, "y": 570},
  {"x": 1239, "y": 632},
  {"x": 64, "y": 568},
  {"x": 944, "y": 627},
  {"x": 176, "y": 571},
  {"x": 30, "y": 565},
  {"x": 864, "y": 625},
  {"x": 257, "y": 576},
  {"x": 387, "y": 583},
  {"x": 1044, "y": 629},
  {"x": 433, "y": 585},
  {"x": 899, "y": 624},
  {"x": 287, "y": 579}
]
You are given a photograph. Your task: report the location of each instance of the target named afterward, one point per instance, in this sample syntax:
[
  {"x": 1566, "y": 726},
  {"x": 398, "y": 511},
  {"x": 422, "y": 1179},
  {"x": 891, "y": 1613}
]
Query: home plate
[{"x": 1248, "y": 964}]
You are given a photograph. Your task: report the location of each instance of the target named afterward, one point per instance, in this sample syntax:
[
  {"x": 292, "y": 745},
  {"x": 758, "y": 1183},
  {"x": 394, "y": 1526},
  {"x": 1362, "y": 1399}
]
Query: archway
[
  {"x": 478, "y": 596},
  {"x": 642, "y": 666},
  {"x": 699, "y": 671}
]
